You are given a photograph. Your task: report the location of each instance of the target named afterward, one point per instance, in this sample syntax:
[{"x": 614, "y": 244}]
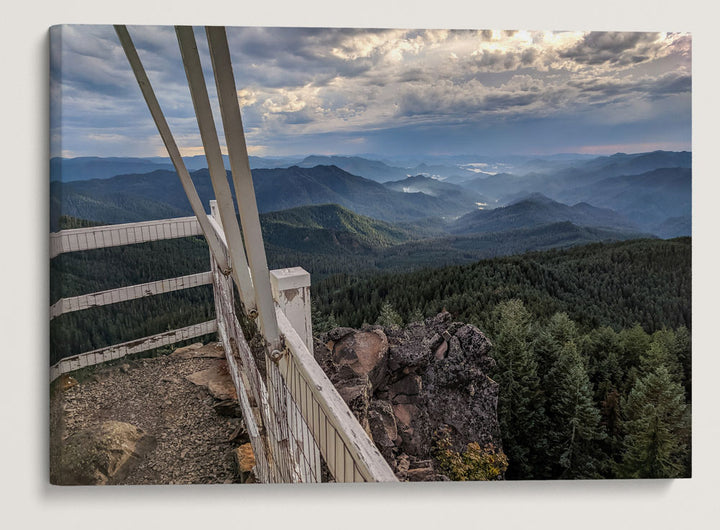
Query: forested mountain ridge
[
  {"x": 537, "y": 209},
  {"x": 159, "y": 194},
  {"x": 592, "y": 349},
  {"x": 601, "y": 284},
  {"x": 329, "y": 228}
]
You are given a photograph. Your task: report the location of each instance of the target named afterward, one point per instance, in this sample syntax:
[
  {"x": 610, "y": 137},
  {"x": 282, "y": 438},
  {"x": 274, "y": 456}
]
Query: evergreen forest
[{"x": 592, "y": 345}]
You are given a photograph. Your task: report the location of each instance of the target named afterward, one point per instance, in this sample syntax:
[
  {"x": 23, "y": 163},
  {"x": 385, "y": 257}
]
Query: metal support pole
[
  {"x": 218, "y": 176},
  {"x": 242, "y": 180},
  {"x": 170, "y": 145}
]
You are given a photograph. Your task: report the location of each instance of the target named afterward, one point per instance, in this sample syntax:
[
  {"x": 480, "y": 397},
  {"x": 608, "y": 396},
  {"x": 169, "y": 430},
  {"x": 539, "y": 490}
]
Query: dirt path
[{"x": 193, "y": 440}]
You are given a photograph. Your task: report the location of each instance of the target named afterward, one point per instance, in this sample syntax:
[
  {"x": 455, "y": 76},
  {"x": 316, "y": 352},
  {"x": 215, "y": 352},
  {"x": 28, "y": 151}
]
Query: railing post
[{"x": 291, "y": 290}]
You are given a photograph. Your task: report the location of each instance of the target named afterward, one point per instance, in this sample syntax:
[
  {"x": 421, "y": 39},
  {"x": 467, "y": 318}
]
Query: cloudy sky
[{"x": 388, "y": 92}]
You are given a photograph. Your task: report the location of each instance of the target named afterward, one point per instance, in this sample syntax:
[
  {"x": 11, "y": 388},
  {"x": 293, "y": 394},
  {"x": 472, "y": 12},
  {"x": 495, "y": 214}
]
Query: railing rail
[
  {"x": 348, "y": 452},
  {"x": 116, "y": 351},
  {"x": 97, "y": 237},
  {"x": 131, "y": 292},
  {"x": 94, "y": 237}
]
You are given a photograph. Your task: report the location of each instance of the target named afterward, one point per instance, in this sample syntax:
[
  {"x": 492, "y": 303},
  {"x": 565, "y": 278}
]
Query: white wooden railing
[
  {"x": 319, "y": 428},
  {"x": 96, "y": 237}
]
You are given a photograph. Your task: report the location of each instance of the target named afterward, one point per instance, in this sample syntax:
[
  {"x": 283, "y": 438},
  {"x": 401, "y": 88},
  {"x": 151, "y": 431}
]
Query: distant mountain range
[
  {"x": 647, "y": 188},
  {"x": 558, "y": 177},
  {"x": 330, "y": 239},
  {"x": 157, "y": 195},
  {"x": 93, "y": 167},
  {"x": 649, "y": 199},
  {"x": 86, "y": 168},
  {"x": 537, "y": 209},
  {"x": 638, "y": 193},
  {"x": 462, "y": 198}
]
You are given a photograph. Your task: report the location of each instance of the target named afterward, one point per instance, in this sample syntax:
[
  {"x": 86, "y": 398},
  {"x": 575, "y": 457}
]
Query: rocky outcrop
[
  {"x": 103, "y": 454},
  {"x": 406, "y": 386}
]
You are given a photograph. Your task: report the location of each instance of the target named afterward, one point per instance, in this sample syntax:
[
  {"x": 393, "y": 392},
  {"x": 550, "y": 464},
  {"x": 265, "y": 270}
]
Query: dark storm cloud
[
  {"x": 496, "y": 102},
  {"x": 619, "y": 48},
  {"x": 670, "y": 84},
  {"x": 607, "y": 89},
  {"x": 285, "y": 57}
]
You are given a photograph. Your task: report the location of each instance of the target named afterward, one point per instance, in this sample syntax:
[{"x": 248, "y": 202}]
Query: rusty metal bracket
[{"x": 276, "y": 355}]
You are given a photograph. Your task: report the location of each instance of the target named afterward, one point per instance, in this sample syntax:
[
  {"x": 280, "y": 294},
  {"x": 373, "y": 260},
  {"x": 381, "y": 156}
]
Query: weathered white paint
[
  {"x": 69, "y": 364},
  {"x": 122, "y": 294},
  {"x": 335, "y": 431},
  {"x": 76, "y": 239},
  {"x": 228, "y": 333},
  {"x": 346, "y": 443},
  {"x": 242, "y": 181},
  {"x": 291, "y": 289},
  {"x": 293, "y": 461},
  {"x": 216, "y": 167}
]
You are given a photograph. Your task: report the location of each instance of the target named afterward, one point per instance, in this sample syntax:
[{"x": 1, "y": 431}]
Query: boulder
[
  {"x": 383, "y": 426},
  {"x": 408, "y": 386},
  {"x": 66, "y": 382},
  {"x": 213, "y": 350},
  {"x": 103, "y": 454},
  {"x": 362, "y": 350},
  {"x": 217, "y": 380},
  {"x": 356, "y": 393}
]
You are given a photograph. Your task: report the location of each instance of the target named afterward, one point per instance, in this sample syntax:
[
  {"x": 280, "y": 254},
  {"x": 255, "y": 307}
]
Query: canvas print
[{"x": 301, "y": 255}]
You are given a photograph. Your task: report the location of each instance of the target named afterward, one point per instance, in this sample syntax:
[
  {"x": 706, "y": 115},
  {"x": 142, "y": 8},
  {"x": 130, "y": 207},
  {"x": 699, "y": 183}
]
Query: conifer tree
[
  {"x": 656, "y": 422},
  {"x": 416, "y": 316},
  {"x": 520, "y": 401},
  {"x": 388, "y": 316},
  {"x": 574, "y": 419},
  {"x": 603, "y": 349},
  {"x": 548, "y": 342},
  {"x": 662, "y": 352}
]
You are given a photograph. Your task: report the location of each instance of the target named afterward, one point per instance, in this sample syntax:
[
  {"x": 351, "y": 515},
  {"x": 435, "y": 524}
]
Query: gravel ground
[{"x": 193, "y": 441}]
